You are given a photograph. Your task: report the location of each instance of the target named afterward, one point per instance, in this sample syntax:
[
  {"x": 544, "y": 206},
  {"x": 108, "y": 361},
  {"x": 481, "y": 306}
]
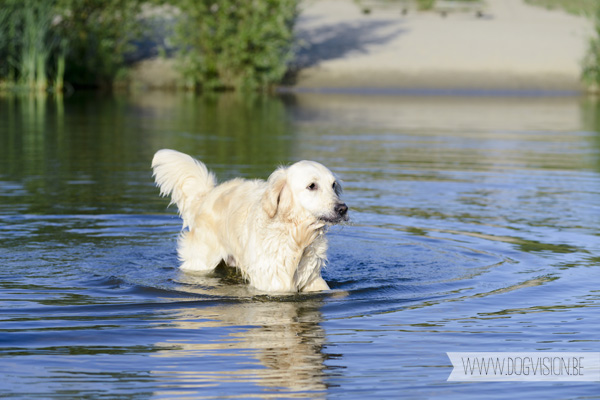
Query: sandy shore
[{"x": 512, "y": 46}]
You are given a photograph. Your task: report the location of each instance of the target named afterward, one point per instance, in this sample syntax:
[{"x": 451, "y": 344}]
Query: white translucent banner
[{"x": 527, "y": 366}]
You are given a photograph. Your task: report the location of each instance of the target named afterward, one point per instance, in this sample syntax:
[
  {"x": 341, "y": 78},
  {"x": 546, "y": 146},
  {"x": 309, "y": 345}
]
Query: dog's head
[{"x": 305, "y": 189}]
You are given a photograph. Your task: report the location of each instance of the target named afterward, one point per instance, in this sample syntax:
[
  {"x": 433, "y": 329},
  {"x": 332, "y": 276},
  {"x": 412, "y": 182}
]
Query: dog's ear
[
  {"x": 338, "y": 187},
  {"x": 276, "y": 199}
]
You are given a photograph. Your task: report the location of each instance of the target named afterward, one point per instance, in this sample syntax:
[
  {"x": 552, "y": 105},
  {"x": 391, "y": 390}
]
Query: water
[{"x": 474, "y": 228}]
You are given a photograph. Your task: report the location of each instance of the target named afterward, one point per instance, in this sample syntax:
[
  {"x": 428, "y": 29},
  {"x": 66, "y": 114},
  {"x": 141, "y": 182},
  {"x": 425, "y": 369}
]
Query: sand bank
[{"x": 513, "y": 46}]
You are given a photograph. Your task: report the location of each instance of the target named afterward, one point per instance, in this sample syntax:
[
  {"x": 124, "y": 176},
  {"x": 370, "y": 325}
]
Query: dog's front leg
[
  {"x": 316, "y": 285},
  {"x": 274, "y": 283}
]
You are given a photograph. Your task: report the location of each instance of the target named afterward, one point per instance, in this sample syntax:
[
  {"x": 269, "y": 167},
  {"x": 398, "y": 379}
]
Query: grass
[{"x": 577, "y": 7}]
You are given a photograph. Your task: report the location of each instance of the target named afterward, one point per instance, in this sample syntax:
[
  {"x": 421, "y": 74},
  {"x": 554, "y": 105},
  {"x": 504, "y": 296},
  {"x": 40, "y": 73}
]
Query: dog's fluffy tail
[{"x": 187, "y": 180}]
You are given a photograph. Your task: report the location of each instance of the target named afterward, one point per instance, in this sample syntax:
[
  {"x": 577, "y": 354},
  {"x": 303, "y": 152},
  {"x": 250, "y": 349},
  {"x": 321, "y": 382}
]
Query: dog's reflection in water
[{"x": 281, "y": 333}]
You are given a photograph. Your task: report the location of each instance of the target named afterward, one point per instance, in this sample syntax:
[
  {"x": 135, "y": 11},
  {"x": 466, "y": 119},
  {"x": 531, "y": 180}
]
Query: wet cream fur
[{"x": 273, "y": 231}]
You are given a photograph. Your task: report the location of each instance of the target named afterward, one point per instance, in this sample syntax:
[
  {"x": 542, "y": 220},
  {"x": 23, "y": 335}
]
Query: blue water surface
[{"x": 474, "y": 227}]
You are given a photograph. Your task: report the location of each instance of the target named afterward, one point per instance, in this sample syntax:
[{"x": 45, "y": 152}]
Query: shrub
[
  {"x": 591, "y": 62},
  {"x": 97, "y": 35},
  {"x": 221, "y": 44},
  {"x": 228, "y": 44}
]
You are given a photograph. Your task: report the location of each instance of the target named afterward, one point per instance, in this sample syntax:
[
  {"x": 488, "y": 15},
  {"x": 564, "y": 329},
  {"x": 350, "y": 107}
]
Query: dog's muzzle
[{"x": 340, "y": 213}]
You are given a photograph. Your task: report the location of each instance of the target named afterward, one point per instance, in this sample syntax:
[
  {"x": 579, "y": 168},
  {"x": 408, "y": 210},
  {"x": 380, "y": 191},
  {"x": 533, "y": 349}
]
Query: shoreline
[
  {"x": 427, "y": 92},
  {"x": 475, "y": 81},
  {"x": 506, "y": 47}
]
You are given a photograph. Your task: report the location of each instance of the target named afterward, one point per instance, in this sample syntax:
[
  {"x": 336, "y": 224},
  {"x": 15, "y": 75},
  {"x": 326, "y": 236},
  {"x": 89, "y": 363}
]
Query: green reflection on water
[
  {"x": 81, "y": 152},
  {"x": 591, "y": 120}
]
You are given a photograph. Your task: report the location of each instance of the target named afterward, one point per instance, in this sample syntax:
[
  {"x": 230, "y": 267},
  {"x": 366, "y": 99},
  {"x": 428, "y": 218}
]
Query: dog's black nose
[{"x": 341, "y": 209}]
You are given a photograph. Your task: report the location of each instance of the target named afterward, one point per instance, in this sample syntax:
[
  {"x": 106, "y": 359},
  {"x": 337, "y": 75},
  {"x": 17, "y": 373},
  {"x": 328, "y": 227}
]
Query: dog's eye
[
  {"x": 312, "y": 186},
  {"x": 333, "y": 185}
]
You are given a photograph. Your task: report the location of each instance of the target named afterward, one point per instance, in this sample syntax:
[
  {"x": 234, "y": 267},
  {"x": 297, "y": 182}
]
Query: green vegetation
[
  {"x": 25, "y": 42},
  {"x": 367, "y": 6},
  {"x": 591, "y": 63},
  {"x": 425, "y": 4},
  {"x": 577, "y": 7},
  {"x": 94, "y": 37},
  {"x": 47, "y": 42},
  {"x": 234, "y": 43},
  {"x": 222, "y": 44}
]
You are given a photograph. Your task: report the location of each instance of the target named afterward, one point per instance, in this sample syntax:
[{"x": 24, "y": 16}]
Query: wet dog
[{"x": 273, "y": 231}]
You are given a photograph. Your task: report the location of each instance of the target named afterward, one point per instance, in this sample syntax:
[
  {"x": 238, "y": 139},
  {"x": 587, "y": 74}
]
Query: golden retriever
[{"x": 273, "y": 231}]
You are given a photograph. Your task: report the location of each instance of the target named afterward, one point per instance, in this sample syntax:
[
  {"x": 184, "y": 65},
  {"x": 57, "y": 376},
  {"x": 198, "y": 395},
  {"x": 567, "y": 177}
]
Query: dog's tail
[{"x": 187, "y": 180}]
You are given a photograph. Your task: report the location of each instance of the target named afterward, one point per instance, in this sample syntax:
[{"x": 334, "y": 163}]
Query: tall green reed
[
  {"x": 25, "y": 42},
  {"x": 44, "y": 43},
  {"x": 10, "y": 21}
]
